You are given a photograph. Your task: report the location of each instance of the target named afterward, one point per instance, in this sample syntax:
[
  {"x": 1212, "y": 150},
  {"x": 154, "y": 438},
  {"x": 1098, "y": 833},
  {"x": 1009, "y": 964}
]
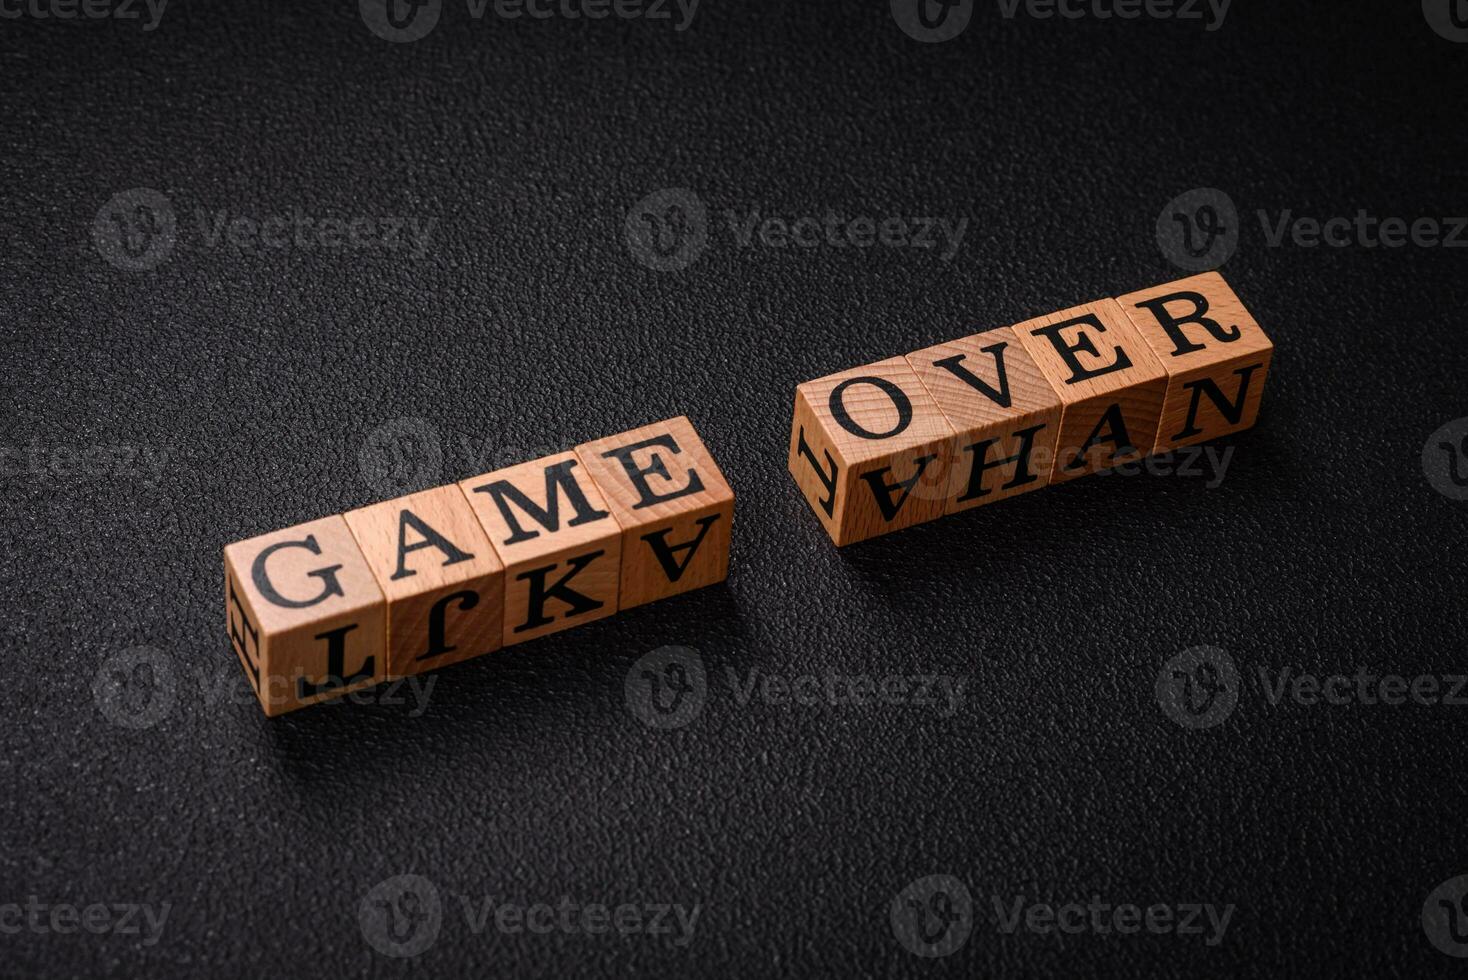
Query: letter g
[{"x": 330, "y": 585}]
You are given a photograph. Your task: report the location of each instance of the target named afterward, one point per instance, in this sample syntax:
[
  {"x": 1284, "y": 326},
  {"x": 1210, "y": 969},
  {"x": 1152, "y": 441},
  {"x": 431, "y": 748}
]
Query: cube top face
[
  {"x": 1194, "y": 322},
  {"x": 654, "y": 473},
  {"x": 422, "y": 542},
  {"x": 875, "y": 411},
  {"x": 870, "y": 450},
  {"x": 303, "y": 575},
  {"x": 539, "y": 508},
  {"x": 985, "y": 378},
  {"x": 1005, "y": 411},
  {"x": 675, "y": 508},
  {"x": 1215, "y": 354},
  {"x": 1090, "y": 351}
]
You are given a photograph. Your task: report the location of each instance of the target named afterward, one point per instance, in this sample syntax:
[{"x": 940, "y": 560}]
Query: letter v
[{"x": 954, "y": 366}]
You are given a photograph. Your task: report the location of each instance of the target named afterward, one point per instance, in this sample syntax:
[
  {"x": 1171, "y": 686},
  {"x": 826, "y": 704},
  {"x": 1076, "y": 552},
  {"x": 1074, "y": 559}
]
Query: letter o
[{"x": 843, "y": 418}]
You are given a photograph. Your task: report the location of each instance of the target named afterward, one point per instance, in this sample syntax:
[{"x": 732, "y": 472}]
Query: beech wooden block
[
  {"x": 560, "y": 544},
  {"x": 443, "y": 581},
  {"x": 304, "y": 614},
  {"x": 1004, "y": 411},
  {"x": 674, "y": 506},
  {"x": 1215, "y": 355},
  {"x": 870, "y": 450},
  {"x": 1110, "y": 382}
]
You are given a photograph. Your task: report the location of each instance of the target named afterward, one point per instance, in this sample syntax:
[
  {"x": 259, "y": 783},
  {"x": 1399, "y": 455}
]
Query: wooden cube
[
  {"x": 1215, "y": 355},
  {"x": 674, "y": 506},
  {"x": 1111, "y": 383},
  {"x": 1004, "y": 411},
  {"x": 304, "y": 614},
  {"x": 561, "y": 546},
  {"x": 443, "y": 580},
  {"x": 870, "y": 450}
]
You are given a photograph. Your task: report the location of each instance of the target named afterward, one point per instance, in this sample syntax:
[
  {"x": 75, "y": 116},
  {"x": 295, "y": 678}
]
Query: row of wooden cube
[
  {"x": 438, "y": 577},
  {"x": 1006, "y": 411}
]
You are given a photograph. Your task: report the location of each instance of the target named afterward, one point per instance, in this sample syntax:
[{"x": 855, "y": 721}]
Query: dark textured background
[{"x": 527, "y": 326}]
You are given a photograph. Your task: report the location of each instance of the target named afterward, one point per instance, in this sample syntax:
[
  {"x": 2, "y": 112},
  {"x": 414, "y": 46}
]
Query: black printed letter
[
  {"x": 431, "y": 539},
  {"x": 837, "y": 405},
  {"x": 981, "y": 465},
  {"x": 1233, "y": 412},
  {"x": 558, "y": 480},
  {"x": 1174, "y": 324},
  {"x": 882, "y": 490},
  {"x": 1083, "y": 342},
  {"x": 330, "y": 586},
  {"x": 666, "y": 553},
  {"x": 535, "y": 610},
  {"x": 638, "y": 474}
]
